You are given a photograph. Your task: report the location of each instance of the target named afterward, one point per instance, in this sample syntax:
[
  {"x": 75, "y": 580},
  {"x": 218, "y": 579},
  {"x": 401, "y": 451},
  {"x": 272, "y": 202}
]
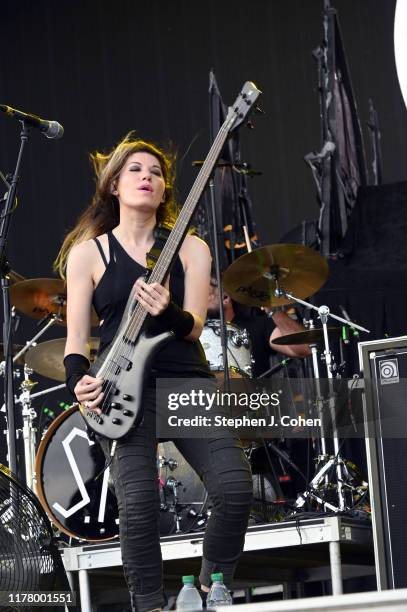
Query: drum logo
[{"x": 389, "y": 372}]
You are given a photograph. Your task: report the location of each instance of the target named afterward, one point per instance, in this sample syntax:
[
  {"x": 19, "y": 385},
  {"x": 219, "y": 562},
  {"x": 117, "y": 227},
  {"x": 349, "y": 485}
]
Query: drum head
[{"x": 70, "y": 484}]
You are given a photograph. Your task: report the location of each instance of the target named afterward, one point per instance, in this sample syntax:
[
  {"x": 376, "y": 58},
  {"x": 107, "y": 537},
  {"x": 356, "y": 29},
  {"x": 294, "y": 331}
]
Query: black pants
[{"x": 225, "y": 472}]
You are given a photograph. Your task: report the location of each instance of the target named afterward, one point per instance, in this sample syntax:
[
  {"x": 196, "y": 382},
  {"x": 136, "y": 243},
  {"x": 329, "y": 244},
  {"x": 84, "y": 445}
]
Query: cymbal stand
[
  {"x": 28, "y": 413},
  {"x": 54, "y": 318},
  {"x": 319, "y": 402},
  {"x": 334, "y": 460},
  {"x": 28, "y": 431}
]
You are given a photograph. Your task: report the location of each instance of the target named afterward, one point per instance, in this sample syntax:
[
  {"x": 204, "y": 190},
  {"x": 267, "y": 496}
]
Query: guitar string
[
  {"x": 134, "y": 324},
  {"x": 136, "y": 320}
]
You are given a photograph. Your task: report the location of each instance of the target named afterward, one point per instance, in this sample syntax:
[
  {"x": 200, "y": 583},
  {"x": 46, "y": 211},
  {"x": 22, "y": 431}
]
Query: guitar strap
[{"x": 161, "y": 233}]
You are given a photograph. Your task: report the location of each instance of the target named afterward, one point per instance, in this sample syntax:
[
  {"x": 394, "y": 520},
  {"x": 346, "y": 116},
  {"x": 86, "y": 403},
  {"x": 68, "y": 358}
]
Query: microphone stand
[{"x": 5, "y": 220}]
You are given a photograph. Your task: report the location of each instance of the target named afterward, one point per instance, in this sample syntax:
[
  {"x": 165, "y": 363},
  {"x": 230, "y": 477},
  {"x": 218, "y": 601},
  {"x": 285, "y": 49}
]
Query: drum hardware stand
[
  {"x": 38, "y": 394},
  {"x": 54, "y": 318},
  {"x": 325, "y": 460},
  {"x": 323, "y": 456},
  {"x": 175, "y": 506},
  {"x": 28, "y": 413},
  {"x": 172, "y": 484},
  {"x": 172, "y": 464},
  {"x": 28, "y": 431}
]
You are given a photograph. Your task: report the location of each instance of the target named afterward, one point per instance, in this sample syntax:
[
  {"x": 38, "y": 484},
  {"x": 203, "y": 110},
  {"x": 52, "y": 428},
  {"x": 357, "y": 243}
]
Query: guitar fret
[
  {"x": 180, "y": 228},
  {"x": 123, "y": 351}
]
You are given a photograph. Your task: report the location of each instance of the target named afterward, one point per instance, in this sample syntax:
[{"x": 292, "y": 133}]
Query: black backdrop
[{"x": 102, "y": 68}]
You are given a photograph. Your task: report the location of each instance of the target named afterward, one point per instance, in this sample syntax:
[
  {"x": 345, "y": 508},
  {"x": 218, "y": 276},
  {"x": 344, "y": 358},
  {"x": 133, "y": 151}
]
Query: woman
[{"x": 105, "y": 257}]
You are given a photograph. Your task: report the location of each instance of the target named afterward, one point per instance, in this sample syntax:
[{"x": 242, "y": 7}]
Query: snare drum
[{"x": 238, "y": 348}]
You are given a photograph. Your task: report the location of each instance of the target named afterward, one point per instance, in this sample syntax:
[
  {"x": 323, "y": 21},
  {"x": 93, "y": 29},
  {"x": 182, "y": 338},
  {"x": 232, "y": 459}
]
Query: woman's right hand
[{"x": 88, "y": 391}]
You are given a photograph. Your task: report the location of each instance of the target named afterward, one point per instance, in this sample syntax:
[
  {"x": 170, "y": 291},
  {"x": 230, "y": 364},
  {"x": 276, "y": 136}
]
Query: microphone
[
  {"x": 51, "y": 129},
  {"x": 347, "y": 317}
]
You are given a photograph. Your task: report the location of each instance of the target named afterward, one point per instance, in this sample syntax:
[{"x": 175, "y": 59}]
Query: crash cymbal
[
  {"x": 47, "y": 358},
  {"x": 39, "y": 297},
  {"x": 309, "y": 336},
  {"x": 16, "y": 348},
  {"x": 253, "y": 278}
]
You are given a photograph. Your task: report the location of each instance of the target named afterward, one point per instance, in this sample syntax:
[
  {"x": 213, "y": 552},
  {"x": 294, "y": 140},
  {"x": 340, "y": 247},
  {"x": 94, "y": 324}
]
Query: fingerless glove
[
  {"x": 75, "y": 367},
  {"x": 177, "y": 320}
]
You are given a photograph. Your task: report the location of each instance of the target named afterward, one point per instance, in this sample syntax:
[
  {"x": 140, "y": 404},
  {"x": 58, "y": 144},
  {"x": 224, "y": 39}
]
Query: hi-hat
[
  {"x": 254, "y": 278},
  {"x": 309, "y": 336},
  {"x": 47, "y": 358},
  {"x": 39, "y": 297}
]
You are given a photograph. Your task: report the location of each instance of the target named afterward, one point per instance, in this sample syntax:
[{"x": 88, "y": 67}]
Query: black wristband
[
  {"x": 177, "y": 320},
  {"x": 76, "y": 366}
]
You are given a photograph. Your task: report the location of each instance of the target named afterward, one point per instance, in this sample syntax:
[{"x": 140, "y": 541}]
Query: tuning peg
[{"x": 259, "y": 111}]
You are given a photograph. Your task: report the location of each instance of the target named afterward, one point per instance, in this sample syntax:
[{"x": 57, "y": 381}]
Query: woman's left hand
[{"x": 154, "y": 298}]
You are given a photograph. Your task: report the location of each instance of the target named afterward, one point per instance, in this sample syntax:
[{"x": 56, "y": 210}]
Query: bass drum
[
  {"x": 183, "y": 497},
  {"x": 67, "y": 466}
]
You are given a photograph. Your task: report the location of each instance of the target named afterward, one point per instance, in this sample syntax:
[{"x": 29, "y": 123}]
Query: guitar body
[{"x": 122, "y": 404}]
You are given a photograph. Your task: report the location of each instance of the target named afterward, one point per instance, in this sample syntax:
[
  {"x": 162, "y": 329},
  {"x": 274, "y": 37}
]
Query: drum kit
[{"x": 67, "y": 469}]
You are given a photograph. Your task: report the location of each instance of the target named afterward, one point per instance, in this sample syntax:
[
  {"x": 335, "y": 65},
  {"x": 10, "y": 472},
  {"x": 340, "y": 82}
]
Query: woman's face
[{"x": 141, "y": 183}]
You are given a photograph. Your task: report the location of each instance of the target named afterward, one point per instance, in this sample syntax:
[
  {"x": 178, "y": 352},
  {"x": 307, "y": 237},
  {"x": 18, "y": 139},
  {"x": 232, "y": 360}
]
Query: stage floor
[{"x": 289, "y": 553}]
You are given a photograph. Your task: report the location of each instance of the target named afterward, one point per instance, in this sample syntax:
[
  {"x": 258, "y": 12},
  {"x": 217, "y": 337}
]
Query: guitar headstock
[{"x": 242, "y": 106}]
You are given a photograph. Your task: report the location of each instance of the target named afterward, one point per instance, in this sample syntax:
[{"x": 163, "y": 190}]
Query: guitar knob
[
  {"x": 116, "y": 421},
  {"x": 127, "y": 413},
  {"x": 127, "y": 397}
]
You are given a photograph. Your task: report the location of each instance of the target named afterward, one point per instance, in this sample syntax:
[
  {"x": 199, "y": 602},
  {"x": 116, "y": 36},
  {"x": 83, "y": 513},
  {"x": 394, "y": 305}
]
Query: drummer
[{"x": 262, "y": 327}]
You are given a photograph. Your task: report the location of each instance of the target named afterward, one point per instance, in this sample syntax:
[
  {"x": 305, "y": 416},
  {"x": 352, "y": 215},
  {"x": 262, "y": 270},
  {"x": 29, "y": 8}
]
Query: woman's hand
[
  {"x": 154, "y": 298},
  {"x": 88, "y": 391}
]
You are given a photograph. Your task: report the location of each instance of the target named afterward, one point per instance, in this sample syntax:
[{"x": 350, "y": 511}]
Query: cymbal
[
  {"x": 16, "y": 348},
  {"x": 309, "y": 336},
  {"x": 39, "y": 297},
  {"x": 47, "y": 357},
  {"x": 253, "y": 278}
]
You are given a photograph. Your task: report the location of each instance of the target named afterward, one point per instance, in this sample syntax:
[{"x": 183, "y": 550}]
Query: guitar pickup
[{"x": 122, "y": 363}]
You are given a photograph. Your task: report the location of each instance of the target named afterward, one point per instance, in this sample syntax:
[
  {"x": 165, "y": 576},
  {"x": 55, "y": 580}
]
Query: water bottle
[
  {"x": 218, "y": 594},
  {"x": 189, "y": 597}
]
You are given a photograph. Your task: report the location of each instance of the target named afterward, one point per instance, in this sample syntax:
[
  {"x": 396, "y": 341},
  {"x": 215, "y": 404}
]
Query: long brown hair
[{"x": 102, "y": 214}]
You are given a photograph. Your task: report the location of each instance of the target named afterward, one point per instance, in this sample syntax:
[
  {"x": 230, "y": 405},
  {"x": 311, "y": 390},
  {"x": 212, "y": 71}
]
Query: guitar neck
[
  {"x": 178, "y": 233},
  {"x": 173, "y": 244},
  {"x": 180, "y": 229}
]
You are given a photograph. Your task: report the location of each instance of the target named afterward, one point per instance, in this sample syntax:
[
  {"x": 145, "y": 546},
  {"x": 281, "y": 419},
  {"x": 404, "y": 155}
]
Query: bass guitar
[{"x": 126, "y": 362}]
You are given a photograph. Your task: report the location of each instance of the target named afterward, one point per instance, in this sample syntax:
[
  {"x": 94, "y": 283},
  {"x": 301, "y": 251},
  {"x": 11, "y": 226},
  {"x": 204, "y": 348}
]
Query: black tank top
[{"x": 179, "y": 358}]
